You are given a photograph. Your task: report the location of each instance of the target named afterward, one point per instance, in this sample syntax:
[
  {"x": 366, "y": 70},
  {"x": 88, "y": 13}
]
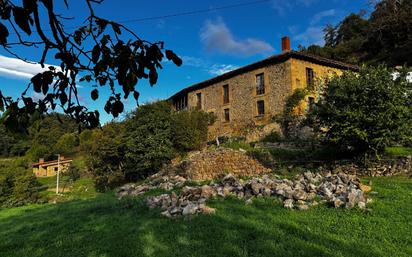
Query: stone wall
[
  {"x": 243, "y": 99},
  {"x": 211, "y": 164},
  {"x": 280, "y": 81}
]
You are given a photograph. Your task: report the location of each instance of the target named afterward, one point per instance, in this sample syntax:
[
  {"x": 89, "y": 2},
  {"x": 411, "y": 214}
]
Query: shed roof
[{"x": 51, "y": 163}]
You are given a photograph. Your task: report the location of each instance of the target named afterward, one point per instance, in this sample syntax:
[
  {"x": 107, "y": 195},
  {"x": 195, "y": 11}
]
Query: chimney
[
  {"x": 41, "y": 160},
  {"x": 285, "y": 44}
]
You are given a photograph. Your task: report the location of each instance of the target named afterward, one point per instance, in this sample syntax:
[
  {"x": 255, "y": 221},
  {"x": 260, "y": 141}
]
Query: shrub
[
  {"x": 18, "y": 185},
  {"x": 366, "y": 111},
  {"x": 148, "y": 140},
  {"x": 106, "y": 158},
  {"x": 189, "y": 129},
  {"x": 272, "y": 137}
]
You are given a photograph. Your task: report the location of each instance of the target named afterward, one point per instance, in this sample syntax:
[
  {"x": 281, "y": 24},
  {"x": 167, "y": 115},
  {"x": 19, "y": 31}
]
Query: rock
[
  {"x": 266, "y": 191},
  {"x": 229, "y": 179},
  {"x": 362, "y": 205},
  {"x": 299, "y": 194},
  {"x": 175, "y": 211},
  {"x": 227, "y": 191},
  {"x": 207, "y": 192},
  {"x": 208, "y": 210},
  {"x": 338, "y": 203},
  {"x": 190, "y": 209},
  {"x": 288, "y": 203},
  {"x": 255, "y": 186},
  {"x": 303, "y": 207},
  {"x": 249, "y": 201},
  {"x": 166, "y": 214}
]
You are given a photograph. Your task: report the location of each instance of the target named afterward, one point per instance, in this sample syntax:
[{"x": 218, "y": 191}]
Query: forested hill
[{"x": 385, "y": 36}]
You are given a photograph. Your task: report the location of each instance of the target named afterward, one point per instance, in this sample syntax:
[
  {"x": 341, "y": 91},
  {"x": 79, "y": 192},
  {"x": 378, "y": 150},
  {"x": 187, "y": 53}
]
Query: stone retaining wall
[{"x": 211, "y": 164}]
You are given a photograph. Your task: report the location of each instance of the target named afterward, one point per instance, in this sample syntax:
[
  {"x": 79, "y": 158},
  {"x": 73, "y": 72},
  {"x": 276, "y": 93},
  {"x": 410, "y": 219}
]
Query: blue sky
[{"x": 209, "y": 43}]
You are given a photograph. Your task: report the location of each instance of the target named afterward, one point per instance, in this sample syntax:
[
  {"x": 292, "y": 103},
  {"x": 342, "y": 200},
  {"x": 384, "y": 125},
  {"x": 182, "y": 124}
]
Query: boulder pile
[{"x": 307, "y": 189}]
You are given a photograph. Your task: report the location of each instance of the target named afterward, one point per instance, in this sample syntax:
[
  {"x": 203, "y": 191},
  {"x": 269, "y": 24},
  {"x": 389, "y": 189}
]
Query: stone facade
[{"x": 282, "y": 75}]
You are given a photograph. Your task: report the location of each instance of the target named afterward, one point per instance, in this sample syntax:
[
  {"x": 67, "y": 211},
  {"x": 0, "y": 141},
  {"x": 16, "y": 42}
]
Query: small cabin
[{"x": 50, "y": 168}]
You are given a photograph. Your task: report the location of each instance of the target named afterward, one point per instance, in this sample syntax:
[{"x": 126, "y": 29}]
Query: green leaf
[
  {"x": 30, "y": 5},
  {"x": 63, "y": 98},
  {"x": 22, "y": 19},
  {"x": 37, "y": 82},
  {"x": 116, "y": 28},
  {"x": 95, "y": 53},
  {"x": 171, "y": 56},
  {"x": 4, "y": 33},
  {"x": 153, "y": 76},
  {"x": 95, "y": 94}
]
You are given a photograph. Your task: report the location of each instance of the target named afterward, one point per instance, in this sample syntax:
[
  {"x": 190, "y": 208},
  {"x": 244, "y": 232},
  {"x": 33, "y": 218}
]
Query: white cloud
[
  {"x": 321, "y": 15},
  {"x": 282, "y": 6},
  {"x": 312, "y": 35},
  {"x": 216, "y": 36},
  {"x": 18, "y": 69},
  {"x": 219, "y": 69},
  {"x": 213, "y": 69}
]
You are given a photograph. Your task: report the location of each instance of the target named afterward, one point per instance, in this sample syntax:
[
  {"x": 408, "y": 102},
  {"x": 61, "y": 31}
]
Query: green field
[{"x": 104, "y": 226}]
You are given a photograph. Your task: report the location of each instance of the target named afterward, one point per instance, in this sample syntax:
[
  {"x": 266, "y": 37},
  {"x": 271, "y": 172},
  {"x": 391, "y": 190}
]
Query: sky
[{"x": 210, "y": 43}]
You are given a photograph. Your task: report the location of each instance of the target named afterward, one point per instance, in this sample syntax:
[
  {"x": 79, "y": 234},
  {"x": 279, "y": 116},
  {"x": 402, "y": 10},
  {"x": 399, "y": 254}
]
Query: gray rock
[
  {"x": 288, "y": 203},
  {"x": 190, "y": 209},
  {"x": 299, "y": 194}
]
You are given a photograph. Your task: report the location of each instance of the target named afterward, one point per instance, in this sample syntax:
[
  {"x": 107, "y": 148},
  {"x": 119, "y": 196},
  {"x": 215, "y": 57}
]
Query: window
[
  {"x": 260, "y": 84},
  {"x": 227, "y": 115},
  {"x": 309, "y": 77},
  {"x": 311, "y": 103},
  {"x": 180, "y": 103},
  {"x": 199, "y": 100},
  {"x": 226, "y": 94},
  {"x": 56, "y": 168},
  {"x": 261, "y": 107}
]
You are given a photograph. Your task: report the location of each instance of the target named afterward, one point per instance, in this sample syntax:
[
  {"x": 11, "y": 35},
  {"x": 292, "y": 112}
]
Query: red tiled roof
[
  {"x": 49, "y": 163},
  {"x": 270, "y": 60}
]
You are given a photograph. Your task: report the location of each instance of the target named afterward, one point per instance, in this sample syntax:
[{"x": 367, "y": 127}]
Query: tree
[
  {"x": 383, "y": 37},
  {"x": 149, "y": 140},
  {"x": 390, "y": 36},
  {"x": 102, "y": 52},
  {"x": 364, "y": 112},
  {"x": 106, "y": 157},
  {"x": 189, "y": 129}
]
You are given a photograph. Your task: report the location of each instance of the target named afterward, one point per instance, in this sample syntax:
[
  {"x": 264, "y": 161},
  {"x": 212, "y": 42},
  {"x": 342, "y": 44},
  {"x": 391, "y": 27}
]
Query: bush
[
  {"x": 106, "y": 157},
  {"x": 366, "y": 111},
  {"x": 189, "y": 129},
  {"x": 272, "y": 137},
  {"x": 18, "y": 185},
  {"x": 148, "y": 140}
]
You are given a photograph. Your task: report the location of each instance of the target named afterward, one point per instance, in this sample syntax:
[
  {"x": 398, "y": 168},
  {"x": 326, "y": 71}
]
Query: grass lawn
[{"x": 104, "y": 226}]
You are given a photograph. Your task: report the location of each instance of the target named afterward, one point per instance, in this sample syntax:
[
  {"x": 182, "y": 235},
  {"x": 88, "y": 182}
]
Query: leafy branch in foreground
[{"x": 101, "y": 52}]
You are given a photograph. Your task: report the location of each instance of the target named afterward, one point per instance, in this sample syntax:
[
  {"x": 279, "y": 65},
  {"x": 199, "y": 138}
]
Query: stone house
[
  {"x": 251, "y": 95},
  {"x": 50, "y": 168}
]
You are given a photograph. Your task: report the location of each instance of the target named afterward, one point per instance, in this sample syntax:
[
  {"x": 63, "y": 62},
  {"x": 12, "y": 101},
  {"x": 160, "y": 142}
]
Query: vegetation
[
  {"x": 148, "y": 139},
  {"x": 366, "y": 111},
  {"x": 18, "y": 185},
  {"x": 101, "y": 51},
  {"x": 383, "y": 37},
  {"x": 104, "y": 226}
]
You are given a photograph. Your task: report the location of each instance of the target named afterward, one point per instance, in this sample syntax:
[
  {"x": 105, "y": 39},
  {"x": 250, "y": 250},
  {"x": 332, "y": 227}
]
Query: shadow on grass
[{"x": 105, "y": 226}]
